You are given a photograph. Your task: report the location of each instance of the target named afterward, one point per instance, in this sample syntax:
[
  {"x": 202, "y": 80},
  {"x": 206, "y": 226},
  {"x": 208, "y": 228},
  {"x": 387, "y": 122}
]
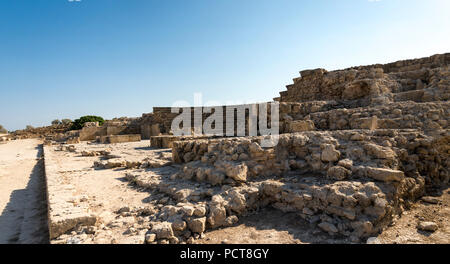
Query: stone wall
[
  {"x": 332, "y": 116},
  {"x": 353, "y": 182},
  {"x": 420, "y": 80},
  {"x": 160, "y": 121},
  {"x": 110, "y": 128},
  {"x": 165, "y": 141},
  {"x": 423, "y": 116},
  {"x": 63, "y": 213},
  {"x": 119, "y": 138},
  {"x": 305, "y": 152}
]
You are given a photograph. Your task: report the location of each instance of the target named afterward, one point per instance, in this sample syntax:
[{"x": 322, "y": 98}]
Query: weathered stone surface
[
  {"x": 179, "y": 225},
  {"x": 217, "y": 216},
  {"x": 301, "y": 125},
  {"x": 385, "y": 175},
  {"x": 162, "y": 230},
  {"x": 110, "y": 139},
  {"x": 329, "y": 153},
  {"x": 428, "y": 226},
  {"x": 328, "y": 227},
  {"x": 149, "y": 238},
  {"x": 63, "y": 214},
  {"x": 430, "y": 200},
  {"x": 197, "y": 225},
  {"x": 238, "y": 172},
  {"x": 338, "y": 173}
]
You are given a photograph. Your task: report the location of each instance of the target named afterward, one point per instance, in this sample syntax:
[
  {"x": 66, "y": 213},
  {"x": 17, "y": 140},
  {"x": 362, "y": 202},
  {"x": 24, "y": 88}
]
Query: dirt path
[
  {"x": 23, "y": 208},
  {"x": 270, "y": 226}
]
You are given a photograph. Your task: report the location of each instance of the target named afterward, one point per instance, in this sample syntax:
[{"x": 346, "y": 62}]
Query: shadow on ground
[{"x": 24, "y": 219}]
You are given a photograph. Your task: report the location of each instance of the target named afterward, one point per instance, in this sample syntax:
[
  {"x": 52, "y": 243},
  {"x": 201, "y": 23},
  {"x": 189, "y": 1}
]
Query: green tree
[
  {"x": 29, "y": 127},
  {"x": 79, "y": 123}
]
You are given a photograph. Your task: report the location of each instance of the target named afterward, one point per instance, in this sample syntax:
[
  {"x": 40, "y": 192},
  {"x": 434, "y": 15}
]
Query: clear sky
[{"x": 113, "y": 58}]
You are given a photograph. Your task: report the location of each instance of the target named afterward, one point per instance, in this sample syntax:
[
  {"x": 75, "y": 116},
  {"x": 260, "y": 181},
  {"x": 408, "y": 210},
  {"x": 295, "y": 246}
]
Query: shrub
[
  {"x": 3, "y": 130},
  {"x": 66, "y": 121},
  {"x": 56, "y": 122},
  {"x": 79, "y": 123},
  {"x": 29, "y": 127}
]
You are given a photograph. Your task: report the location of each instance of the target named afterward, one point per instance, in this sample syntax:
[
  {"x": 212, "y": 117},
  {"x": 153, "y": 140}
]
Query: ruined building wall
[
  {"x": 160, "y": 121},
  {"x": 420, "y": 80},
  {"x": 332, "y": 94}
]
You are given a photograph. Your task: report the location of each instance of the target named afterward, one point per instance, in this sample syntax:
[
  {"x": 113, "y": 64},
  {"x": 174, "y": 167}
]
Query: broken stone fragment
[
  {"x": 338, "y": 173},
  {"x": 149, "y": 238},
  {"x": 200, "y": 211},
  {"x": 179, "y": 225},
  {"x": 301, "y": 125},
  {"x": 215, "y": 177},
  {"x": 370, "y": 123},
  {"x": 124, "y": 209},
  {"x": 255, "y": 149},
  {"x": 430, "y": 200},
  {"x": 348, "y": 213},
  {"x": 385, "y": 175},
  {"x": 379, "y": 152},
  {"x": 197, "y": 225},
  {"x": 346, "y": 163},
  {"x": 329, "y": 153},
  {"x": 237, "y": 172},
  {"x": 373, "y": 240},
  {"x": 328, "y": 227},
  {"x": 217, "y": 216},
  {"x": 231, "y": 220},
  {"x": 307, "y": 211},
  {"x": 428, "y": 226},
  {"x": 162, "y": 230},
  {"x": 271, "y": 188}
]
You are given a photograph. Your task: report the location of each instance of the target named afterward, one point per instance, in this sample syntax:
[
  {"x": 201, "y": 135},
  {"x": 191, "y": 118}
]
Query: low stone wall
[
  {"x": 160, "y": 121},
  {"x": 338, "y": 115},
  {"x": 316, "y": 152},
  {"x": 350, "y": 182},
  {"x": 63, "y": 213},
  {"x": 165, "y": 141},
  {"x": 119, "y": 139},
  {"x": 109, "y": 128},
  {"x": 425, "y": 116},
  {"x": 91, "y": 133},
  {"x": 350, "y": 208}
]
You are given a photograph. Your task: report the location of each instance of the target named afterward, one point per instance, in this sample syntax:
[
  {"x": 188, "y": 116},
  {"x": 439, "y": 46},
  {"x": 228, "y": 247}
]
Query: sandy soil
[
  {"x": 23, "y": 206},
  {"x": 271, "y": 226},
  {"x": 405, "y": 231},
  {"x": 105, "y": 191}
]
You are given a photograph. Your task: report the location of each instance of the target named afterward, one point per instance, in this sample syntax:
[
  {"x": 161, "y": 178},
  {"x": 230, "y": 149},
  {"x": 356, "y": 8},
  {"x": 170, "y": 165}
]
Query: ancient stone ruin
[{"x": 357, "y": 148}]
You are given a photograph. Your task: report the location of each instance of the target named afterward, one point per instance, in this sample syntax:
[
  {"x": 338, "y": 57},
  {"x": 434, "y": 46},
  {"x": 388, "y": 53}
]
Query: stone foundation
[
  {"x": 63, "y": 212},
  {"x": 118, "y": 139}
]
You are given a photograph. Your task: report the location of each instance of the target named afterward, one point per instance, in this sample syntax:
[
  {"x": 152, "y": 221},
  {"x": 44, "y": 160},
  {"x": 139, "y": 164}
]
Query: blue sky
[{"x": 113, "y": 58}]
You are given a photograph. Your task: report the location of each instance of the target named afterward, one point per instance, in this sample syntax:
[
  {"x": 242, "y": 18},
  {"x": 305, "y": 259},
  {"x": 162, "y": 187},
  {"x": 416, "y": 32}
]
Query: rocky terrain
[{"x": 362, "y": 157}]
